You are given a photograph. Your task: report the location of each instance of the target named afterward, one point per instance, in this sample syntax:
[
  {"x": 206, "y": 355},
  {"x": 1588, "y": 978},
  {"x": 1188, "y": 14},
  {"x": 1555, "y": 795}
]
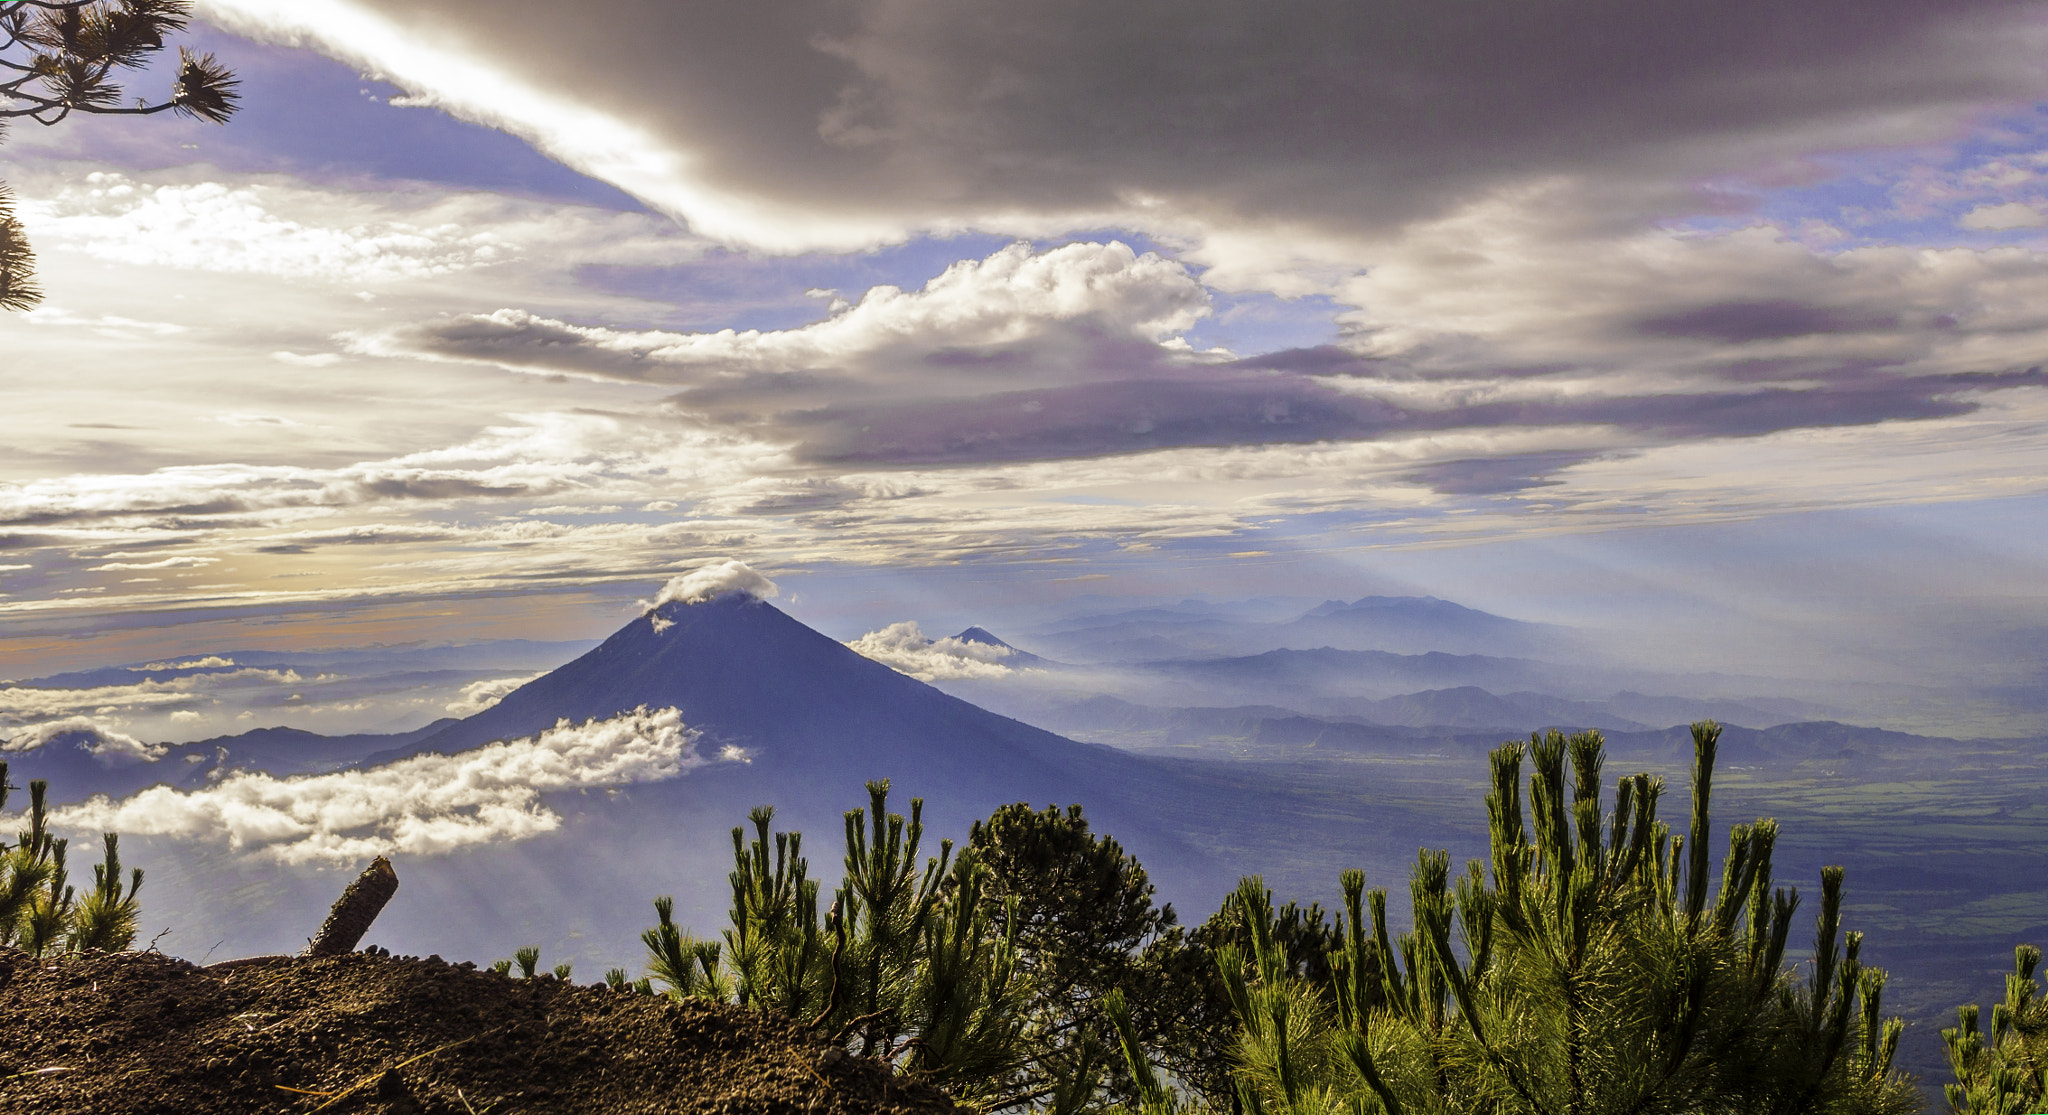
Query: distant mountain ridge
[{"x": 1398, "y": 624}]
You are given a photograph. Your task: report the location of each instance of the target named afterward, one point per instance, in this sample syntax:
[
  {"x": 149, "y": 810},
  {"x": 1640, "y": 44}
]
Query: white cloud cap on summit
[{"x": 715, "y": 580}]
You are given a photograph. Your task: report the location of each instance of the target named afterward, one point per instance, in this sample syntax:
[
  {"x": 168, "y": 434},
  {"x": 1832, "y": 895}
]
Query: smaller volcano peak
[
  {"x": 1012, "y": 656},
  {"x": 983, "y": 636}
]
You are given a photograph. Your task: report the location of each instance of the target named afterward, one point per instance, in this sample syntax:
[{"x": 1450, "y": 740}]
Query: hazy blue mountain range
[{"x": 1403, "y": 624}]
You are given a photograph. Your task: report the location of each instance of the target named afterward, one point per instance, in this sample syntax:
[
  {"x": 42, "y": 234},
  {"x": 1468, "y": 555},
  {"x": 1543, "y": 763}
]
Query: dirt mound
[{"x": 141, "y": 1033}]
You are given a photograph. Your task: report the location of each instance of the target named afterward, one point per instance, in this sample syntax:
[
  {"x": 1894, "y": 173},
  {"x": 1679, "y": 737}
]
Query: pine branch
[{"x": 18, "y": 289}]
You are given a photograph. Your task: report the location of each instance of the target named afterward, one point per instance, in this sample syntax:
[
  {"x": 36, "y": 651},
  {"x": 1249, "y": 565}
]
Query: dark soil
[{"x": 112, "y": 1034}]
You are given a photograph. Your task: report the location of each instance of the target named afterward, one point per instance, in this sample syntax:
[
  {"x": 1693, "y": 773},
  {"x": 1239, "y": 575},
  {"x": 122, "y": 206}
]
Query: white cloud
[
  {"x": 1516, "y": 282},
  {"x": 551, "y": 454},
  {"x": 210, "y": 662},
  {"x": 105, "y": 324},
  {"x": 164, "y": 563},
  {"x": 100, "y": 742},
  {"x": 576, "y": 509},
  {"x": 20, "y": 704},
  {"x": 216, "y": 227},
  {"x": 1997, "y": 218},
  {"x": 480, "y": 695},
  {"x": 904, "y": 648},
  {"x": 422, "y": 805},
  {"x": 314, "y": 360},
  {"x": 716, "y": 580},
  {"x": 1015, "y": 300}
]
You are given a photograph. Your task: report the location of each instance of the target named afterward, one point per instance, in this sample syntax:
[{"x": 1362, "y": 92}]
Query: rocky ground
[{"x": 142, "y": 1033}]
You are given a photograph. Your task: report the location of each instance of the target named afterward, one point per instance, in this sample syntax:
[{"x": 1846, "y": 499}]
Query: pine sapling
[{"x": 105, "y": 920}]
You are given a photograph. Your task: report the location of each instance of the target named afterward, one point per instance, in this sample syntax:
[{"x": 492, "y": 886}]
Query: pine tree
[
  {"x": 774, "y": 943},
  {"x": 1598, "y": 970},
  {"x": 905, "y": 966},
  {"x": 1185, "y": 1018},
  {"x": 40, "y": 910},
  {"x": 2009, "y": 1074},
  {"x": 61, "y": 56},
  {"x": 105, "y": 919},
  {"x": 688, "y": 966},
  {"x": 1085, "y": 927}
]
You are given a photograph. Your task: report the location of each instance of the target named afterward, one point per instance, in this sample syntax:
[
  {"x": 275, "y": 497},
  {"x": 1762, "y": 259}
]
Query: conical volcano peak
[
  {"x": 709, "y": 582},
  {"x": 744, "y": 674},
  {"x": 983, "y": 636}
]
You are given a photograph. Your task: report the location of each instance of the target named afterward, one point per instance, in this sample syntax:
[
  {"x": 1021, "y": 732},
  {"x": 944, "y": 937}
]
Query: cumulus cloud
[
  {"x": 716, "y": 580},
  {"x": 904, "y": 648},
  {"x": 1997, "y": 218},
  {"x": 101, "y": 742},
  {"x": 423, "y": 805},
  {"x": 480, "y": 695},
  {"x": 1491, "y": 317},
  {"x": 1014, "y": 318},
  {"x": 210, "y": 662}
]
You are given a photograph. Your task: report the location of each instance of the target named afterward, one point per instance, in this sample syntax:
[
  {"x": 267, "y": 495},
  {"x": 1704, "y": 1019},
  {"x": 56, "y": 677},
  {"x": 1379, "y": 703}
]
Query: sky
[{"x": 1715, "y": 327}]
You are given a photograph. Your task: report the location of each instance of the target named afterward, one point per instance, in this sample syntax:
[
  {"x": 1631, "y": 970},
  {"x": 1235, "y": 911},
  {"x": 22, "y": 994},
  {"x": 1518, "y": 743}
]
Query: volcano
[
  {"x": 782, "y": 716},
  {"x": 795, "y": 703}
]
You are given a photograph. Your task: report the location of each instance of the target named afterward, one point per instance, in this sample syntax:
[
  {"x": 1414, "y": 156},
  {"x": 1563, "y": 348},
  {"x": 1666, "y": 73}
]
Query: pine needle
[{"x": 337, "y": 1097}]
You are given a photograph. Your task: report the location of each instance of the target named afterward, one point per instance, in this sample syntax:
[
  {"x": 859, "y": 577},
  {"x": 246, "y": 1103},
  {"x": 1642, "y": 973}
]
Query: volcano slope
[
  {"x": 140, "y": 1033},
  {"x": 800, "y": 705}
]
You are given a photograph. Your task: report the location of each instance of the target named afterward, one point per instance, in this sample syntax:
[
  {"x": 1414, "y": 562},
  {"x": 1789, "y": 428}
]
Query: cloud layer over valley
[{"x": 426, "y": 804}]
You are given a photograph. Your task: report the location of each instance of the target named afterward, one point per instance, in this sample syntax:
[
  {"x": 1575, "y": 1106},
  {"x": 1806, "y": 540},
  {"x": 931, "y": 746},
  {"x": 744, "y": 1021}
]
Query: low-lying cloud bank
[
  {"x": 904, "y": 648},
  {"x": 422, "y": 805}
]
